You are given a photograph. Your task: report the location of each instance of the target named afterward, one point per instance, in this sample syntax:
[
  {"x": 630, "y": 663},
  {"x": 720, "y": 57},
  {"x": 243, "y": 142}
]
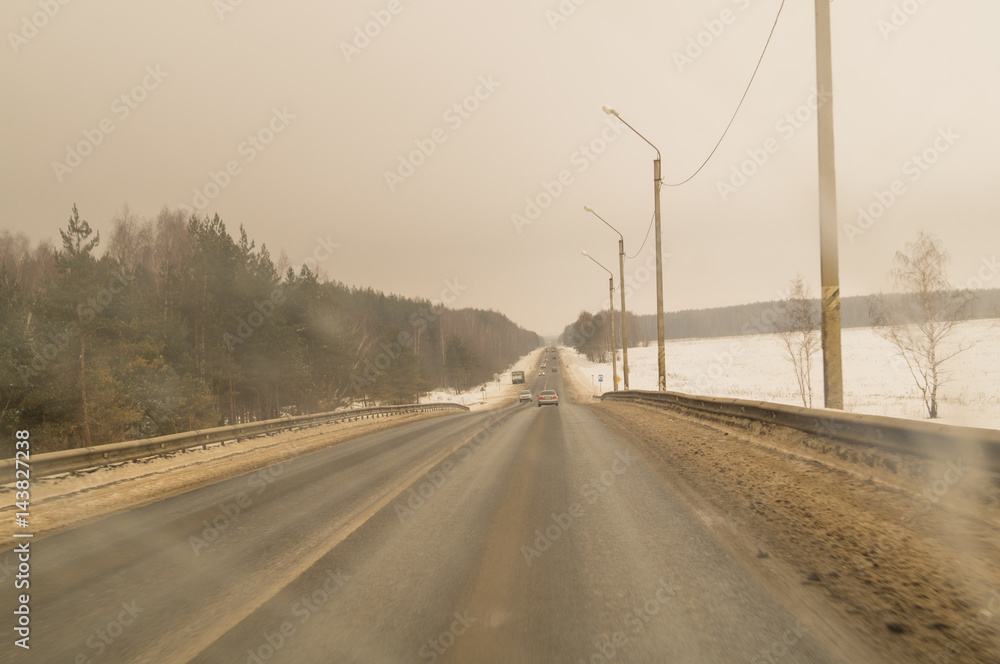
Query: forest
[{"x": 174, "y": 324}]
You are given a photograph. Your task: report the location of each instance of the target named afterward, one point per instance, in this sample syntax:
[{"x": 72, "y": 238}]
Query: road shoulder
[{"x": 910, "y": 582}]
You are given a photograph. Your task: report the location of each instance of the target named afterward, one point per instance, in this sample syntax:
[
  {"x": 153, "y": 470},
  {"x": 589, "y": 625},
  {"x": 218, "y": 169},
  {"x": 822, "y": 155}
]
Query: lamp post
[
  {"x": 621, "y": 287},
  {"x": 661, "y": 353},
  {"x": 611, "y": 304}
]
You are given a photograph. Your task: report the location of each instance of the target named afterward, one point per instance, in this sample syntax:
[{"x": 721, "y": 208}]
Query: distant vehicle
[
  {"x": 547, "y": 397},
  {"x": 541, "y": 373},
  {"x": 554, "y": 370},
  {"x": 524, "y": 396},
  {"x": 516, "y": 377}
]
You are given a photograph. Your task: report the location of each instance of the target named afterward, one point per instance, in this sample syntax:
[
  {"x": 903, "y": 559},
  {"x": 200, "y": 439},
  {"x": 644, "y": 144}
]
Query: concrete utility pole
[
  {"x": 611, "y": 305},
  {"x": 621, "y": 282},
  {"x": 833, "y": 377},
  {"x": 661, "y": 353}
]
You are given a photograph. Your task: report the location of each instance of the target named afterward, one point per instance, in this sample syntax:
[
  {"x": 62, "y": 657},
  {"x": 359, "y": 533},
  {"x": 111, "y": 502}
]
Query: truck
[{"x": 516, "y": 377}]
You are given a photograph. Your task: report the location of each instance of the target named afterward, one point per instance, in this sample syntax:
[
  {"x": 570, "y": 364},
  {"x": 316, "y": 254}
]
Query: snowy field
[{"x": 876, "y": 380}]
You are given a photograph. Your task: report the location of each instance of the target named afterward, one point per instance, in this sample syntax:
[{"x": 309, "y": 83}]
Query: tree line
[
  {"x": 757, "y": 318},
  {"x": 178, "y": 325}
]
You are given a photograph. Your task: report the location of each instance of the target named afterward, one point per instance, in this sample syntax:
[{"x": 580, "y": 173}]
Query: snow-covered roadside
[
  {"x": 497, "y": 394},
  {"x": 876, "y": 382}
]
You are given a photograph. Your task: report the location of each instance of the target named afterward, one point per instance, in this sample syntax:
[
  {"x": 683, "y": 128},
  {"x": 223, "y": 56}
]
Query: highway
[{"x": 524, "y": 534}]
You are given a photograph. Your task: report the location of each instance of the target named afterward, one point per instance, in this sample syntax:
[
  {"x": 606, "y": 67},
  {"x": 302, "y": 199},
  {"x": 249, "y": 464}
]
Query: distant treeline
[
  {"x": 177, "y": 325},
  {"x": 590, "y": 336}
]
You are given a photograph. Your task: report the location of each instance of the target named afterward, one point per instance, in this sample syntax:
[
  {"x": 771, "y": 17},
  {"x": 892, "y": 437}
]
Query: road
[{"x": 520, "y": 535}]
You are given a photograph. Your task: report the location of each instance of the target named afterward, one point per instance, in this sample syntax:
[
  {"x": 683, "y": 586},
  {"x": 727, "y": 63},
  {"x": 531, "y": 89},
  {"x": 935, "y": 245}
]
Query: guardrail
[
  {"x": 931, "y": 440},
  {"x": 65, "y": 461}
]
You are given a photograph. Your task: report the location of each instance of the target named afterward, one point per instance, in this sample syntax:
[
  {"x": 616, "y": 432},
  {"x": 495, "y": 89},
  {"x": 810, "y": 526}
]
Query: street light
[
  {"x": 661, "y": 353},
  {"x": 621, "y": 287},
  {"x": 611, "y": 304}
]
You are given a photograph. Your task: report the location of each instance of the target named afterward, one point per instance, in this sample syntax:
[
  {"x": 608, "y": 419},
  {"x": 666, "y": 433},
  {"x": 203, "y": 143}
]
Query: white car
[
  {"x": 524, "y": 396},
  {"x": 548, "y": 397}
]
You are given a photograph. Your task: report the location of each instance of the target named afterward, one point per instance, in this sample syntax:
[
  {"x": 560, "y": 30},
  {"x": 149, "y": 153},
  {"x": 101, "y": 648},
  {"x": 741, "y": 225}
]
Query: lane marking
[{"x": 194, "y": 644}]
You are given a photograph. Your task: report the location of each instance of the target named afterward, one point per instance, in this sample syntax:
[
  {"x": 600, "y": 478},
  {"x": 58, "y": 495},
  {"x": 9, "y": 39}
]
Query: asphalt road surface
[{"x": 521, "y": 535}]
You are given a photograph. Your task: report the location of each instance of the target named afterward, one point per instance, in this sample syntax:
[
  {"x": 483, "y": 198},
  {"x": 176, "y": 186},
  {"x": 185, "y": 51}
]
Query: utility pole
[
  {"x": 657, "y": 183},
  {"x": 833, "y": 376},
  {"x": 614, "y": 351},
  {"x": 661, "y": 355},
  {"x": 611, "y": 306},
  {"x": 621, "y": 286}
]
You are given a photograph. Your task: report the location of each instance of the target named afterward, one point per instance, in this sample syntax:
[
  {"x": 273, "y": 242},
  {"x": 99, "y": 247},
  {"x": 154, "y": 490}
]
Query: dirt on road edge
[
  {"x": 916, "y": 574},
  {"x": 74, "y": 499}
]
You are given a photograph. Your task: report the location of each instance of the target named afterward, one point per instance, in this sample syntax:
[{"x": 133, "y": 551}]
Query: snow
[
  {"x": 496, "y": 394},
  {"x": 876, "y": 380}
]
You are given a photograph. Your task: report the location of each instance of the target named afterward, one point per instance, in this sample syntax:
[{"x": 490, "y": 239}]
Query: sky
[{"x": 447, "y": 149}]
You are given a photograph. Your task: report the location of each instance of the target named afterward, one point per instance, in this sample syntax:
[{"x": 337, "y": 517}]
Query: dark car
[{"x": 546, "y": 397}]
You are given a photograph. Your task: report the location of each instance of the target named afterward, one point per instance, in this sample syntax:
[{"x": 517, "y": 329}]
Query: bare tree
[
  {"x": 920, "y": 323},
  {"x": 798, "y": 330},
  {"x": 132, "y": 240}
]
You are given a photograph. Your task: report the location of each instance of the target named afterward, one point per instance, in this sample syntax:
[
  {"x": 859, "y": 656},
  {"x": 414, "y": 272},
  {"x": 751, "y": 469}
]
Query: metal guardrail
[
  {"x": 931, "y": 440},
  {"x": 65, "y": 461}
]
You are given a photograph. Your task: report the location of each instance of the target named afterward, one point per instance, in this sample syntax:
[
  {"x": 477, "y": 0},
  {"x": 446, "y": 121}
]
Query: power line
[
  {"x": 647, "y": 237},
  {"x": 738, "y": 106}
]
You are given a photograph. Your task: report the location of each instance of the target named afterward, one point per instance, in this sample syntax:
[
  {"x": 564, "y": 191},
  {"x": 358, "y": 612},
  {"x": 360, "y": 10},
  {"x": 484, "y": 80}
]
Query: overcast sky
[{"x": 318, "y": 123}]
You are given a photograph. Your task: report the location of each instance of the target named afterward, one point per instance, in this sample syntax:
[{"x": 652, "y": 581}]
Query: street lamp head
[
  {"x": 584, "y": 253},
  {"x": 586, "y": 208},
  {"x": 610, "y": 111}
]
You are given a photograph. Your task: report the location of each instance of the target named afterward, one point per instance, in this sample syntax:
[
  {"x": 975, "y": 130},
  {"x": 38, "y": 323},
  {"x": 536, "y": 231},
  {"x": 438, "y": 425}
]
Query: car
[
  {"x": 548, "y": 397},
  {"x": 524, "y": 396},
  {"x": 541, "y": 373},
  {"x": 554, "y": 370}
]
